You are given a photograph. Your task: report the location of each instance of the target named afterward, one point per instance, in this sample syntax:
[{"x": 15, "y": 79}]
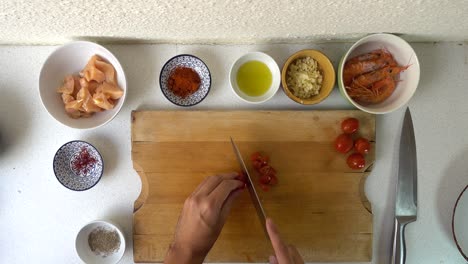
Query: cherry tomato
[
  {"x": 350, "y": 125},
  {"x": 362, "y": 146},
  {"x": 265, "y": 179},
  {"x": 273, "y": 180},
  {"x": 356, "y": 161},
  {"x": 242, "y": 177},
  {"x": 343, "y": 143}
]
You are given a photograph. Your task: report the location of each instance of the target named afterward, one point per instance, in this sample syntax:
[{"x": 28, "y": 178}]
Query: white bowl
[
  {"x": 403, "y": 54},
  {"x": 84, "y": 251},
  {"x": 459, "y": 223},
  {"x": 70, "y": 59},
  {"x": 274, "y": 69}
]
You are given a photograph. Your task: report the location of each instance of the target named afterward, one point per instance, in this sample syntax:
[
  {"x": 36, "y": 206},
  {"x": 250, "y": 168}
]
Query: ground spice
[
  {"x": 183, "y": 81},
  {"x": 83, "y": 163},
  {"x": 104, "y": 241}
]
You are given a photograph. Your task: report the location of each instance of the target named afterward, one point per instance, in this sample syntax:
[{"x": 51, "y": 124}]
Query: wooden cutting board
[{"x": 319, "y": 203}]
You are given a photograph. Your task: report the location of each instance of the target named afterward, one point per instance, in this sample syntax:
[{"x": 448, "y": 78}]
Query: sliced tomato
[
  {"x": 265, "y": 159},
  {"x": 344, "y": 143},
  {"x": 257, "y": 164},
  {"x": 265, "y": 179},
  {"x": 267, "y": 169},
  {"x": 255, "y": 156},
  {"x": 356, "y": 161},
  {"x": 242, "y": 177},
  {"x": 273, "y": 180}
]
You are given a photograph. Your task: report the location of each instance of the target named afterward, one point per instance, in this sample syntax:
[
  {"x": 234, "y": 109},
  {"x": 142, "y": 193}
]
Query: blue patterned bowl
[
  {"x": 197, "y": 65},
  {"x": 78, "y": 165}
]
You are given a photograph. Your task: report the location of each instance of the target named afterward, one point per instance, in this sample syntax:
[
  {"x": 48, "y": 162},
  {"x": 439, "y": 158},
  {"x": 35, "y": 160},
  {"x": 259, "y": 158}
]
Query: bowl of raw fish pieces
[
  {"x": 379, "y": 73},
  {"x": 71, "y": 59}
]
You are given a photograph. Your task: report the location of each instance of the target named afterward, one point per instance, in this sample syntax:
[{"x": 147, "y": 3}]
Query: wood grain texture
[{"x": 319, "y": 204}]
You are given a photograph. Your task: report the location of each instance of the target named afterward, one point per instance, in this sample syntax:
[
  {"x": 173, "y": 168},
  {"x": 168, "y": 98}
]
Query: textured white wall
[{"x": 224, "y": 21}]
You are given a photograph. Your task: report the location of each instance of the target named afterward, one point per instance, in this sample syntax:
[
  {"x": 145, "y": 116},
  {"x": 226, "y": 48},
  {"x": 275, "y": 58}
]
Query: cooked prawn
[
  {"x": 367, "y": 63},
  {"x": 378, "y": 92},
  {"x": 367, "y": 79},
  {"x": 367, "y": 56}
]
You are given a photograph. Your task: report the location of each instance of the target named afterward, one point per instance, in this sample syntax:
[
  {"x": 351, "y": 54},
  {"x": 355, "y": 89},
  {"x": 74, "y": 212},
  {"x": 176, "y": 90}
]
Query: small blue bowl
[{"x": 78, "y": 165}]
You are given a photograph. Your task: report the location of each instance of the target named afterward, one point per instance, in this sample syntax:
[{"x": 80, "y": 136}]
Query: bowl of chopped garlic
[
  {"x": 82, "y": 85},
  {"x": 308, "y": 77}
]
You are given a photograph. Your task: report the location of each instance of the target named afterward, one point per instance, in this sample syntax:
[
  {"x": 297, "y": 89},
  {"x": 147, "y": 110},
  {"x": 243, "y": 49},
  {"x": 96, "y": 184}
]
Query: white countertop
[{"x": 39, "y": 218}]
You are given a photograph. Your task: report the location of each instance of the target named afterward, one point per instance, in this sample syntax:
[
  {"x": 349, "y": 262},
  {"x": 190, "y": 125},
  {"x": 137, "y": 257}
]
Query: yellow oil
[{"x": 254, "y": 78}]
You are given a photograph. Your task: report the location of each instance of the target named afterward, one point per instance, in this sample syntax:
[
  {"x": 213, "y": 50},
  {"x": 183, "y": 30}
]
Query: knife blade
[
  {"x": 406, "y": 203},
  {"x": 251, "y": 188}
]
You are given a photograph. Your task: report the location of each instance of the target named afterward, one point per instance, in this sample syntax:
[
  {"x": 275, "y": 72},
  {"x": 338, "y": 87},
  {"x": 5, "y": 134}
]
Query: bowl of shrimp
[
  {"x": 379, "y": 73},
  {"x": 82, "y": 85}
]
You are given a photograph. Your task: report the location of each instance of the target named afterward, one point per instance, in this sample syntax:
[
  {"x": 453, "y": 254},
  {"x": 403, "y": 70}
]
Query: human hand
[
  {"x": 284, "y": 254},
  {"x": 202, "y": 218}
]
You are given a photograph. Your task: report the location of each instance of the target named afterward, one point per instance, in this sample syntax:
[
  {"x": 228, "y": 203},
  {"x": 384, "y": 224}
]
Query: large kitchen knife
[
  {"x": 253, "y": 193},
  {"x": 406, "y": 189}
]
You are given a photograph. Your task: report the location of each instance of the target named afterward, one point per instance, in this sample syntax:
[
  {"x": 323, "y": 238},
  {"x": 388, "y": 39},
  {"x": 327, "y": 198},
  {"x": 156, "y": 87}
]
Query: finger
[
  {"x": 226, "y": 207},
  {"x": 213, "y": 181},
  {"x": 295, "y": 255},
  {"x": 273, "y": 260},
  {"x": 223, "y": 190},
  {"x": 281, "y": 250},
  {"x": 197, "y": 190}
]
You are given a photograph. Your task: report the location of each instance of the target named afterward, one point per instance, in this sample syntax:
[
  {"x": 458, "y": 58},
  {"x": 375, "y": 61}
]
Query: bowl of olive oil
[{"x": 255, "y": 77}]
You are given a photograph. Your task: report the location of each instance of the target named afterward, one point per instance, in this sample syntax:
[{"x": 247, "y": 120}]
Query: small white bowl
[
  {"x": 84, "y": 251},
  {"x": 69, "y": 59},
  {"x": 274, "y": 69},
  {"x": 403, "y": 54},
  {"x": 459, "y": 223}
]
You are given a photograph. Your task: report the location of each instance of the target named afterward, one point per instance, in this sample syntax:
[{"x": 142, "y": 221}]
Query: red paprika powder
[{"x": 183, "y": 81}]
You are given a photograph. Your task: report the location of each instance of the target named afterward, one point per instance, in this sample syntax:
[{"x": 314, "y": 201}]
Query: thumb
[{"x": 281, "y": 250}]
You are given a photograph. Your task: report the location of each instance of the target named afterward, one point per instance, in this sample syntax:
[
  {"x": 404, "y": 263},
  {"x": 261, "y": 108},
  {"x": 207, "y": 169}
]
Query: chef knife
[
  {"x": 406, "y": 189},
  {"x": 253, "y": 193}
]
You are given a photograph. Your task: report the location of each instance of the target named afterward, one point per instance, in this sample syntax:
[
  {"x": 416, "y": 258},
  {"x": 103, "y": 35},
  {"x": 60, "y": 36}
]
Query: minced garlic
[{"x": 304, "y": 78}]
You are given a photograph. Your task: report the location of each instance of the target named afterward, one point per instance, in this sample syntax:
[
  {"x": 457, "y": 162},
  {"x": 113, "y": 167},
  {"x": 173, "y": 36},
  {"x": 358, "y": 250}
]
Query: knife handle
[{"x": 399, "y": 247}]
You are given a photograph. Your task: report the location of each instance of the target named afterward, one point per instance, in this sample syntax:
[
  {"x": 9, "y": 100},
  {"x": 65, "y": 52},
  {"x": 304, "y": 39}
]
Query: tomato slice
[
  {"x": 257, "y": 165},
  {"x": 344, "y": 143},
  {"x": 255, "y": 156},
  {"x": 265, "y": 179},
  {"x": 273, "y": 180},
  {"x": 356, "y": 161},
  {"x": 362, "y": 146},
  {"x": 242, "y": 177},
  {"x": 267, "y": 169},
  {"x": 350, "y": 125}
]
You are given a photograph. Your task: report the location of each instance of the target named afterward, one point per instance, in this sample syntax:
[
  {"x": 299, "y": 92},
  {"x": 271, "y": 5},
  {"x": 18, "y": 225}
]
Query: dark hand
[{"x": 202, "y": 218}]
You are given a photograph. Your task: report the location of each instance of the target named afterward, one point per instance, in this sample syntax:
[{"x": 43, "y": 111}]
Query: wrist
[{"x": 184, "y": 255}]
